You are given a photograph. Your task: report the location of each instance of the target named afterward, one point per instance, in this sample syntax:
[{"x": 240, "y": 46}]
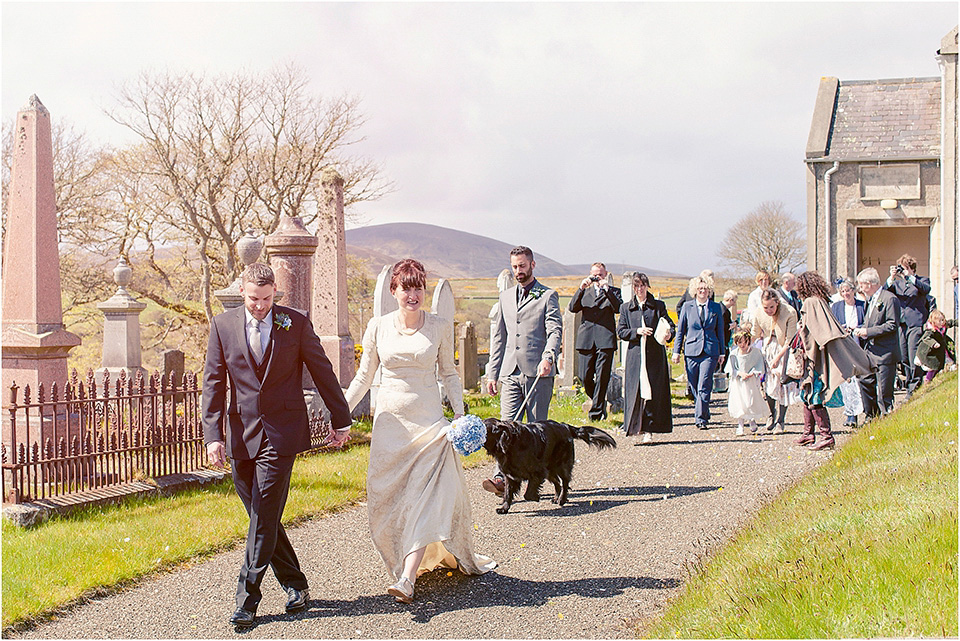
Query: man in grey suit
[
  {"x": 881, "y": 340},
  {"x": 524, "y": 347},
  {"x": 260, "y": 421}
]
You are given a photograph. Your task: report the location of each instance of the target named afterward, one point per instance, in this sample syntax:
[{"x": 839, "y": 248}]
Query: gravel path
[{"x": 591, "y": 569}]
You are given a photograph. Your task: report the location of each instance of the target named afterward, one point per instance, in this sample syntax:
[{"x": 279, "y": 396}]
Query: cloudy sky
[{"x": 633, "y": 132}]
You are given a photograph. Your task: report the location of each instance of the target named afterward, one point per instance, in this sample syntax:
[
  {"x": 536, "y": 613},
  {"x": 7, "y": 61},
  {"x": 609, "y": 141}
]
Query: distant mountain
[{"x": 453, "y": 254}]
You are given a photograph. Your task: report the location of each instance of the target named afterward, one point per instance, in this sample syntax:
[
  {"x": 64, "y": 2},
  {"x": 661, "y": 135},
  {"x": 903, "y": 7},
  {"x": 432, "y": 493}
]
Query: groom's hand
[
  {"x": 491, "y": 387},
  {"x": 338, "y": 438},
  {"x": 217, "y": 454}
]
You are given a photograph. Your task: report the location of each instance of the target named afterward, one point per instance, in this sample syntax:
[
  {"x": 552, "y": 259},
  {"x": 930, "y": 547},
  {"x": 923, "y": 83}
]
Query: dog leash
[{"x": 529, "y": 394}]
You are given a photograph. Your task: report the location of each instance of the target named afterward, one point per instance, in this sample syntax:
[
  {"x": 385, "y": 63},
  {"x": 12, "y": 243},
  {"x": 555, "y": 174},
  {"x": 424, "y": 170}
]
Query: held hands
[
  {"x": 337, "y": 439},
  {"x": 217, "y": 454}
]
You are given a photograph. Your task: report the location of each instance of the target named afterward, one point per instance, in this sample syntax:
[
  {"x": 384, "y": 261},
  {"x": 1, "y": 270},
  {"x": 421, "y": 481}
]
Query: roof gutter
[{"x": 827, "y": 216}]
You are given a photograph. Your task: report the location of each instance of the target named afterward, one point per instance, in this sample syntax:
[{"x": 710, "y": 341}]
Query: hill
[{"x": 453, "y": 254}]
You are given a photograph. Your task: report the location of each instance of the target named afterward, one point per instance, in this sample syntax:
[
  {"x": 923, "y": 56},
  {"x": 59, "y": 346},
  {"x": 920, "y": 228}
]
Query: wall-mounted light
[{"x": 889, "y": 203}]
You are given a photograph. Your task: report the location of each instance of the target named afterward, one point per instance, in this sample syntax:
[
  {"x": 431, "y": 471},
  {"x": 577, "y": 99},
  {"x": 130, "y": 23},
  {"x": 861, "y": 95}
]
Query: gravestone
[
  {"x": 383, "y": 303},
  {"x": 121, "y": 329},
  {"x": 569, "y": 357},
  {"x": 505, "y": 280},
  {"x": 467, "y": 365},
  {"x": 34, "y": 342},
  {"x": 626, "y": 293},
  {"x": 444, "y": 305}
]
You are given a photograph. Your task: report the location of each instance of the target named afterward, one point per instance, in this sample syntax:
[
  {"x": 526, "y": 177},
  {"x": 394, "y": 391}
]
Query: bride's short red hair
[{"x": 408, "y": 273}]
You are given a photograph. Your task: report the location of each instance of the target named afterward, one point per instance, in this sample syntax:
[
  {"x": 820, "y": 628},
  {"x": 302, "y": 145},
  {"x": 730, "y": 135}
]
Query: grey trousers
[{"x": 513, "y": 389}]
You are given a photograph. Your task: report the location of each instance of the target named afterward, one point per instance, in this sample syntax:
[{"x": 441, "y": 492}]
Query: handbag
[{"x": 796, "y": 359}]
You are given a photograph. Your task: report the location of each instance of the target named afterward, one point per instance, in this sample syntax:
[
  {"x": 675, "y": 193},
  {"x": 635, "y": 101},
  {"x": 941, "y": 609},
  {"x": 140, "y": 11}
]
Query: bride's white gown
[{"x": 416, "y": 491}]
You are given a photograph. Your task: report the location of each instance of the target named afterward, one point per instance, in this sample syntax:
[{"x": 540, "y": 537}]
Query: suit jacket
[
  {"x": 881, "y": 323},
  {"x": 791, "y": 298},
  {"x": 913, "y": 300},
  {"x": 526, "y": 332},
  {"x": 597, "y": 323},
  {"x": 700, "y": 338},
  {"x": 273, "y": 404}
]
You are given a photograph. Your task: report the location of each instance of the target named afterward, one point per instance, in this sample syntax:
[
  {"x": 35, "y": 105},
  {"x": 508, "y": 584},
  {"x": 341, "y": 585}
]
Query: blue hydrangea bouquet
[{"x": 467, "y": 433}]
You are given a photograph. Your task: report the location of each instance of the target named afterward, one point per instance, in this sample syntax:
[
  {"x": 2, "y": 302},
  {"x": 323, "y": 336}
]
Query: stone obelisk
[
  {"x": 329, "y": 309},
  {"x": 35, "y": 344}
]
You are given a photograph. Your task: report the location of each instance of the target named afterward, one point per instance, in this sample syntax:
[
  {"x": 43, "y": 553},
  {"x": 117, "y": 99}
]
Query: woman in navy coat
[
  {"x": 700, "y": 336},
  {"x": 646, "y": 371}
]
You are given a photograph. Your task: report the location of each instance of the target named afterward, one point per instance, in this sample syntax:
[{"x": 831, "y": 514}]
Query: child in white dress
[{"x": 745, "y": 401}]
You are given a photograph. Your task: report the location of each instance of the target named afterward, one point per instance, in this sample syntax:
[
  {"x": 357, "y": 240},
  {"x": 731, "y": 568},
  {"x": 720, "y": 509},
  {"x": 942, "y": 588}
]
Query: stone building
[{"x": 882, "y": 175}]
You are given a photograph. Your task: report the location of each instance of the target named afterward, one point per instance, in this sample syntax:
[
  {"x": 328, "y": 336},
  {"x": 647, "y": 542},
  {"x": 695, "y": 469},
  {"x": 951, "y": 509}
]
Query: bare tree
[
  {"x": 227, "y": 153},
  {"x": 767, "y": 238}
]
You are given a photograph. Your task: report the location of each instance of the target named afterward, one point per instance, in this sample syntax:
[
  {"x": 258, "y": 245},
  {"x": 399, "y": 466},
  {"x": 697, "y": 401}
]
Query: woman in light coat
[{"x": 776, "y": 325}]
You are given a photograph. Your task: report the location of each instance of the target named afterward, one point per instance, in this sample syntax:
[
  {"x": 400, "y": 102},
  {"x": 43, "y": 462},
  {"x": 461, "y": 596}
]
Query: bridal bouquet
[{"x": 467, "y": 433}]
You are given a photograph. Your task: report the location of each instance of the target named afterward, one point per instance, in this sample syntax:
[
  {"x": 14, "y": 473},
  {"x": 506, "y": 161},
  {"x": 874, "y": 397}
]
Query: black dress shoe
[
  {"x": 296, "y": 599},
  {"x": 243, "y": 618}
]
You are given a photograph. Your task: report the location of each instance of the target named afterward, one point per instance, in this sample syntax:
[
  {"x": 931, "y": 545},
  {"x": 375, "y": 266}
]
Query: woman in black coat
[{"x": 646, "y": 372}]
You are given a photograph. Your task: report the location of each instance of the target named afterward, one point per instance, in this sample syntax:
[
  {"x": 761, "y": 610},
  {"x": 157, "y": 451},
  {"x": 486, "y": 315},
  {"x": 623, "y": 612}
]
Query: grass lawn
[{"x": 865, "y": 546}]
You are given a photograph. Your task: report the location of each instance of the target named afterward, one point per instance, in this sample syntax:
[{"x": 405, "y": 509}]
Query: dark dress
[{"x": 654, "y": 415}]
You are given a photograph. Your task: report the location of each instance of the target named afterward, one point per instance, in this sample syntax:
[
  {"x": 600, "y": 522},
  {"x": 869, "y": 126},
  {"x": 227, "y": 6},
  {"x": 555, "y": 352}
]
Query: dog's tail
[{"x": 593, "y": 436}]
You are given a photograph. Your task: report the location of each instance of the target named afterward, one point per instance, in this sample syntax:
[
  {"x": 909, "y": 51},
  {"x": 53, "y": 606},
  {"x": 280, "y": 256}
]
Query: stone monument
[
  {"x": 504, "y": 281},
  {"x": 121, "y": 329},
  {"x": 467, "y": 366},
  {"x": 249, "y": 248},
  {"x": 444, "y": 305},
  {"x": 35, "y": 344},
  {"x": 567, "y": 363},
  {"x": 328, "y": 308}
]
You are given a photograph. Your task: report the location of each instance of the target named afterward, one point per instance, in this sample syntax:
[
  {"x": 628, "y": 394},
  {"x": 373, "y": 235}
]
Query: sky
[{"x": 620, "y": 132}]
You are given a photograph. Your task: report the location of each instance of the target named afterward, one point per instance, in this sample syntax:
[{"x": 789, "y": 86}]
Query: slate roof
[{"x": 886, "y": 119}]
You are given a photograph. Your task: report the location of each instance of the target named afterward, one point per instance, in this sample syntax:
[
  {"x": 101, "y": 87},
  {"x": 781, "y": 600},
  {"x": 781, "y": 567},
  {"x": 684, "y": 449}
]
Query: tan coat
[
  {"x": 784, "y": 329},
  {"x": 835, "y": 355}
]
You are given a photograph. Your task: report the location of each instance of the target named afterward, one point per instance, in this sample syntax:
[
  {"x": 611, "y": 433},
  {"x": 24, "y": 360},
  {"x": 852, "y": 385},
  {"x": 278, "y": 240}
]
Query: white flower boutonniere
[
  {"x": 282, "y": 321},
  {"x": 537, "y": 292}
]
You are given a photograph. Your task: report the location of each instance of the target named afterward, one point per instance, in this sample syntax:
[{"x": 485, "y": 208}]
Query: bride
[{"x": 417, "y": 503}]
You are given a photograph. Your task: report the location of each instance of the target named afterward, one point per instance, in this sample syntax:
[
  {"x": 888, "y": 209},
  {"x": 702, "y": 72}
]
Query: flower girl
[{"x": 746, "y": 367}]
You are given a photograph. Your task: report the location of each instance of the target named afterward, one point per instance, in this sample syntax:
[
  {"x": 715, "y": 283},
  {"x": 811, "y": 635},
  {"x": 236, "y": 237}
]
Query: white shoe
[
  {"x": 739, "y": 430},
  {"x": 647, "y": 438},
  {"x": 402, "y": 590}
]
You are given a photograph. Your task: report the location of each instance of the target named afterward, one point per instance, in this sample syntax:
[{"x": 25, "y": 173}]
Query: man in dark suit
[
  {"x": 788, "y": 291},
  {"x": 598, "y": 303},
  {"x": 881, "y": 341},
  {"x": 261, "y": 349},
  {"x": 912, "y": 292}
]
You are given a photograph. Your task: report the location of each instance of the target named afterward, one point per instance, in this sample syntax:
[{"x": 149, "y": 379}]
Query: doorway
[{"x": 880, "y": 247}]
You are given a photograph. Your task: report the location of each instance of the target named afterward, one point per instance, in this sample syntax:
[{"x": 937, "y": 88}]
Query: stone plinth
[
  {"x": 35, "y": 344},
  {"x": 121, "y": 329},
  {"x": 249, "y": 248},
  {"x": 329, "y": 296},
  {"x": 290, "y": 252}
]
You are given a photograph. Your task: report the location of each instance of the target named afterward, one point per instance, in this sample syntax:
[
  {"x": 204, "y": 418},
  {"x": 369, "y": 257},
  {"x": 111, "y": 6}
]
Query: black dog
[{"x": 535, "y": 452}]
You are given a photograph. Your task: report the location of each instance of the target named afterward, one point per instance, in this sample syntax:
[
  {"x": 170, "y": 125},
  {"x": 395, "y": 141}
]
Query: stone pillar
[
  {"x": 626, "y": 292},
  {"x": 568, "y": 353},
  {"x": 329, "y": 296},
  {"x": 467, "y": 365},
  {"x": 290, "y": 251},
  {"x": 249, "y": 248},
  {"x": 121, "y": 329},
  {"x": 35, "y": 344}
]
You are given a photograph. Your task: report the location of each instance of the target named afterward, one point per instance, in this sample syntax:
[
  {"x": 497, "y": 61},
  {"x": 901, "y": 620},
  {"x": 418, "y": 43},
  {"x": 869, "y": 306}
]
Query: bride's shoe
[{"x": 402, "y": 590}]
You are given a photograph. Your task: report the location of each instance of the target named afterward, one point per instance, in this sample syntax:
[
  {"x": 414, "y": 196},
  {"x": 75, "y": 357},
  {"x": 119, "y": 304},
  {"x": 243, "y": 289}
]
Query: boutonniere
[
  {"x": 282, "y": 321},
  {"x": 537, "y": 292}
]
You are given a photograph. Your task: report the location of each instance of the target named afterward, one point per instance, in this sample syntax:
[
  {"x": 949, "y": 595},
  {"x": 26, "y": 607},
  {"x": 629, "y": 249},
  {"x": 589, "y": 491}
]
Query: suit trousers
[
  {"x": 877, "y": 390},
  {"x": 699, "y": 371},
  {"x": 595, "y": 366},
  {"x": 909, "y": 340},
  {"x": 514, "y": 388},
  {"x": 263, "y": 483}
]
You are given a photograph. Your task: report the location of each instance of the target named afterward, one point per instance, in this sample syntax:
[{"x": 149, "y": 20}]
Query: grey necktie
[
  {"x": 256, "y": 346},
  {"x": 703, "y": 315}
]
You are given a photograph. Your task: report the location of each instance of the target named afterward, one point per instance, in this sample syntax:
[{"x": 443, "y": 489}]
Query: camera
[
  {"x": 899, "y": 269},
  {"x": 595, "y": 279}
]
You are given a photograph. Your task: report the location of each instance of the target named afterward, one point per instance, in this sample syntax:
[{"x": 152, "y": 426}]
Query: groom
[{"x": 261, "y": 349}]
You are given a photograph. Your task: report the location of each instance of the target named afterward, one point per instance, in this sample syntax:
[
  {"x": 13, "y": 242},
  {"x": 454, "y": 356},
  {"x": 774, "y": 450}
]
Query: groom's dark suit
[{"x": 266, "y": 425}]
